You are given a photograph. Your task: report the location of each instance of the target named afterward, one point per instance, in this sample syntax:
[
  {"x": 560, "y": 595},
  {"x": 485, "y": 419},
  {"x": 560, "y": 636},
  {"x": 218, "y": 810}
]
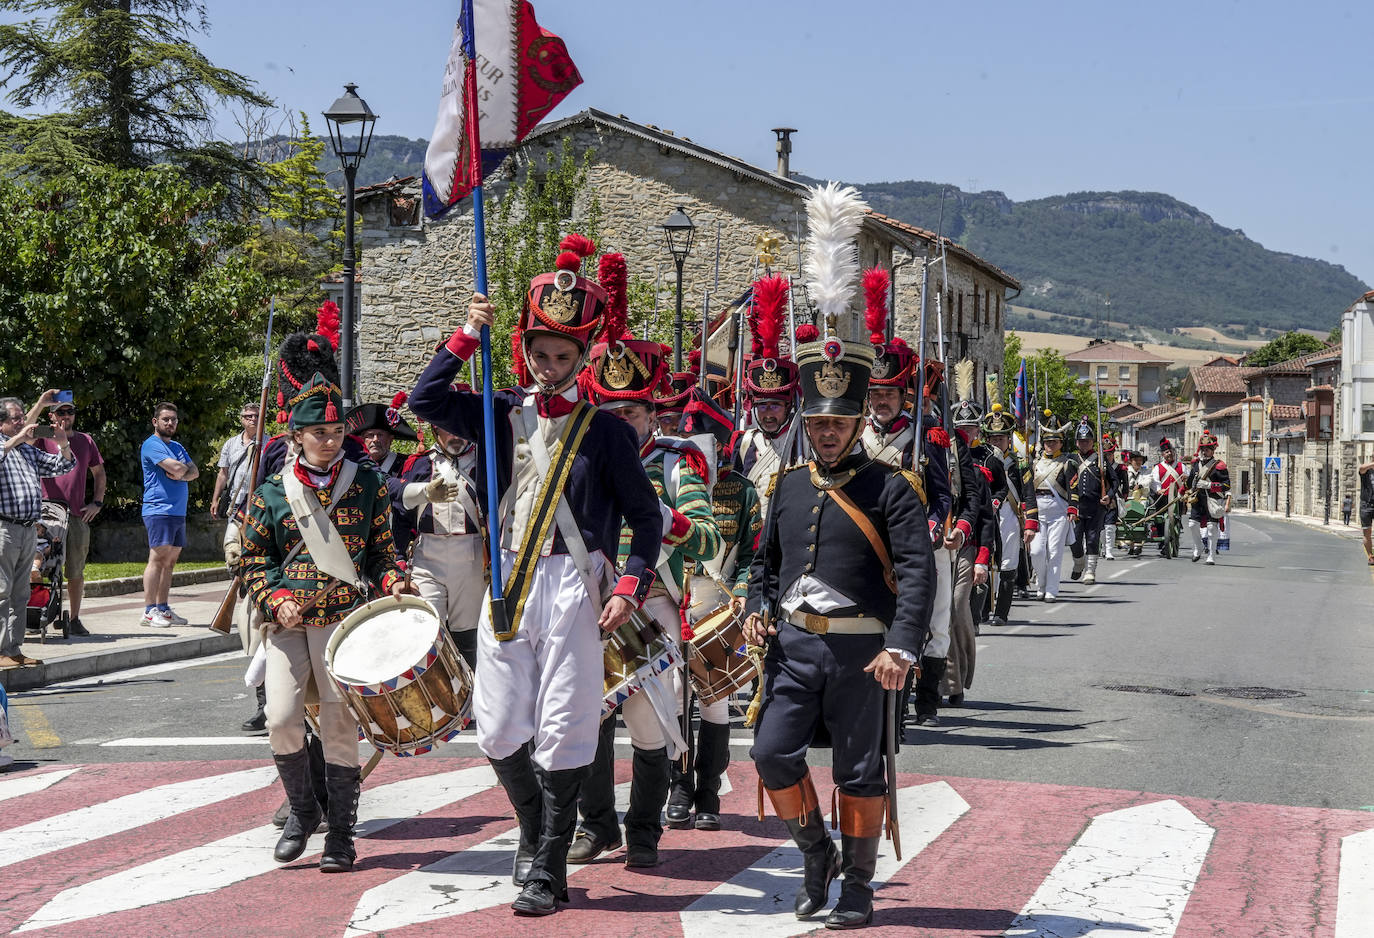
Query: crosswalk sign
[{"x": 1272, "y": 465}]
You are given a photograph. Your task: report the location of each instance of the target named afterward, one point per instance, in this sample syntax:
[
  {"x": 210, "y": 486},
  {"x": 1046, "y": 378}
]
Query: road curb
[
  {"x": 74, "y": 667},
  {"x": 134, "y": 584}
]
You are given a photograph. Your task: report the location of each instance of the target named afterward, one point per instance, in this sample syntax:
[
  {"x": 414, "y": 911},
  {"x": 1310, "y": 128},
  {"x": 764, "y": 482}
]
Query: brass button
[
  {"x": 812, "y": 528},
  {"x": 811, "y": 547},
  {"x": 521, "y": 441},
  {"x": 815, "y": 509}
]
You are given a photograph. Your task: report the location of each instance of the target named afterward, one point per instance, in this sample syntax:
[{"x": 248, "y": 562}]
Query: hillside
[{"x": 1162, "y": 263}]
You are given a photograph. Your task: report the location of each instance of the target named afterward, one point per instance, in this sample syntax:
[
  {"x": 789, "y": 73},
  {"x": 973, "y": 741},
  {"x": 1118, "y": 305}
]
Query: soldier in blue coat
[
  {"x": 841, "y": 590},
  {"x": 538, "y": 701}
]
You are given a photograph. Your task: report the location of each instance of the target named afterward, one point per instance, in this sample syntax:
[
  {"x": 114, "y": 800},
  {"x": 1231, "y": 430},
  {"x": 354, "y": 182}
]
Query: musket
[
  {"x": 654, "y": 319},
  {"x": 224, "y": 615},
  {"x": 705, "y": 340},
  {"x": 1097, "y": 396}
]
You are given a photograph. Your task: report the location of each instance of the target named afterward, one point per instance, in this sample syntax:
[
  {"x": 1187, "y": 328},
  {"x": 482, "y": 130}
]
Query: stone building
[
  {"x": 415, "y": 274},
  {"x": 1127, "y": 372}
]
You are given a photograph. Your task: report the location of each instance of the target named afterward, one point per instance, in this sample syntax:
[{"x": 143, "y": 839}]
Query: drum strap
[
  {"x": 318, "y": 534},
  {"x": 865, "y": 524},
  {"x": 550, "y": 508}
]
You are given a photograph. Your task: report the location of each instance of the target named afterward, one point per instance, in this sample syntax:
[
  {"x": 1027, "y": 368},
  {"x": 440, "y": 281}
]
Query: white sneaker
[
  {"x": 173, "y": 618},
  {"x": 1211, "y": 561},
  {"x": 154, "y": 619}
]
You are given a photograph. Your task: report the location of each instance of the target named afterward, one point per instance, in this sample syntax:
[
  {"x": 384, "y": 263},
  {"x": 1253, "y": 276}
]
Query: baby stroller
[{"x": 45, "y": 584}]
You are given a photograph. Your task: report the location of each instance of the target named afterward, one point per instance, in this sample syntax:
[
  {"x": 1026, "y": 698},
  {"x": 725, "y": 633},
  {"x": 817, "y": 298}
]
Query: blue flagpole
[{"x": 479, "y": 277}]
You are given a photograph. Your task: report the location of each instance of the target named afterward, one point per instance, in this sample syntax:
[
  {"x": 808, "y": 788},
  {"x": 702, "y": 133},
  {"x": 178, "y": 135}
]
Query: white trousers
[
  {"x": 642, "y": 723},
  {"x": 1009, "y": 527},
  {"x": 1213, "y": 532},
  {"x": 1047, "y": 548},
  {"x": 545, "y": 684},
  {"x": 295, "y": 676},
  {"x": 938, "y": 646},
  {"x": 447, "y": 571}
]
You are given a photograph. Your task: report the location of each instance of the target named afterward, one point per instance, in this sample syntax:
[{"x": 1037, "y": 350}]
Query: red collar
[
  {"x": 553, "y": 407},
  {"x": 304, "y": 475},
  {"x": 647, "y": 446}
]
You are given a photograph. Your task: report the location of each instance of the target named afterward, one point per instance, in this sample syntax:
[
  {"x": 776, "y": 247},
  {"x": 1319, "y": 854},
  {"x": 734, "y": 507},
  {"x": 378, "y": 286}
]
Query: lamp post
[
  {"x": 350, "y": 123},
  {"x": 677, "y": 232}
]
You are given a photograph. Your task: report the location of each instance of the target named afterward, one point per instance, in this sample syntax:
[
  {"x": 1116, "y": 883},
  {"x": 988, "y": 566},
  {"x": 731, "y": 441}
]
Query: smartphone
[
  {"x": 63, "y": 397},
  {"x": 42, "y": 433}
]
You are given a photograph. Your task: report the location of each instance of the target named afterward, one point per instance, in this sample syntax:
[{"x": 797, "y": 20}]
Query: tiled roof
[
  {"x": 1320, "y": 387},
  {"x": 1285, "y": 412},
  {"x": 931, "y": 237},
  {"x": 1364, "y": 299},
  {"x": 1299, "y": 365},
  {"x": 1106, "y": 351},
  {"x": 384, "y": 186},
  {"x": 1171, "y": 413},
  {"x": 1220, "y": 379},
  {"x": 1158, "y": 410}
]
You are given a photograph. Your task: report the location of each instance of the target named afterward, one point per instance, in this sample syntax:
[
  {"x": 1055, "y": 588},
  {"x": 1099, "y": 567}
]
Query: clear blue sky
[{"x": 1257, "y": 112}]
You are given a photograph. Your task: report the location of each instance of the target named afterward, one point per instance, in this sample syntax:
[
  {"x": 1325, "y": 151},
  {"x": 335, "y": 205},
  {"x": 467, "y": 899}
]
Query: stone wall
[{"x": 417, "y": 277}]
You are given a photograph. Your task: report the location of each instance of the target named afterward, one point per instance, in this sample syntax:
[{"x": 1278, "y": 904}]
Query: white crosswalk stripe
[
  {"x": 233, "y": 859},
  {"x": 1129, "y": 874},
  {"x": 122, "y": 814},
  {"x": 28, "y": 784},
  {"x": 765, "y": 890},
  {"x": 1355, "y": 896}
]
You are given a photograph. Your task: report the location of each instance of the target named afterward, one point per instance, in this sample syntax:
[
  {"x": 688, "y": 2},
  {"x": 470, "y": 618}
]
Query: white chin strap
[{"x": 550, "y": 390}]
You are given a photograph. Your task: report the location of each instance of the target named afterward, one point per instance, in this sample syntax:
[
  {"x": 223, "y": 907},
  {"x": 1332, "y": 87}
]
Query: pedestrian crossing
[{"x": 171, "y": 848}]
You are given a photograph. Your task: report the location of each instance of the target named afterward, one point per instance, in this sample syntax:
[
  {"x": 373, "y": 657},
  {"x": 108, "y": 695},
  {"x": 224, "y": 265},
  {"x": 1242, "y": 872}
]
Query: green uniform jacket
[
  {"x": 693, "y": 535},
  {"x": 736, "y": 504},
  {"x": 363, "y": 520}
]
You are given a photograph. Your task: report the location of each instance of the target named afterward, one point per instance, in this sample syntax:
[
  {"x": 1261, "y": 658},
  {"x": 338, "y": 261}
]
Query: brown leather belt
[{"x": 826, "y": 625}]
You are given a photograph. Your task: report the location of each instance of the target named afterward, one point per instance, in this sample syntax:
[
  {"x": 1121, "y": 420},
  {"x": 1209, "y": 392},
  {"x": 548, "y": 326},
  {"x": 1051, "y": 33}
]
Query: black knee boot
[
  {"x": 648, "y": 792},
  {"x": 600, "y": 830},
  {"x": 1006, "y": 587},
  {"x": 547, "y": 884},
  {"x": 516, "y": 775},
  {"x": 344, "y": 784},
  {"x": 713, "y": 756},
  {"x": 466, "y": 641},
  {"x": 682, "y": 793},
  {"x": 800, "y": 811},
  {"x": 861, "y": 829},
  {"x": 294, "y": 769}
]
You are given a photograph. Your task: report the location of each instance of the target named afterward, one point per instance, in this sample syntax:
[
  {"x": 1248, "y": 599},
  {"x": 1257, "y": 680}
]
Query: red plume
[
  {"x": 899, "y": 342},
  {"x": 327, "y": 322},
  {"x": 765, "y": 320},
  {"x": 518, "y": 367},
  {"x": 875, "y": 303},
  {"x": 694, "y": 360},
  {"x": 400, "y": 399},
  {"x": 807, "y": 332},
  {"x": 611, "y": 275},
  {"x": 574, "y": 247}
]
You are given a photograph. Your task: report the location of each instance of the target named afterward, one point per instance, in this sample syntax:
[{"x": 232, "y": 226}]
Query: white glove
[{"x": 440, "y": 489}]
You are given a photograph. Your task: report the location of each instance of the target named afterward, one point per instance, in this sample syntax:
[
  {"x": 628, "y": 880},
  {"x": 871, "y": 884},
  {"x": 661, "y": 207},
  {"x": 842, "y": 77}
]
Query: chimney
[{"x": 784, "y": 148}]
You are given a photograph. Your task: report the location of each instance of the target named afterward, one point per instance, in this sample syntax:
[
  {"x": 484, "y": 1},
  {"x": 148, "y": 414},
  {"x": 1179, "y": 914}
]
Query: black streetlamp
[
  {"x": 678, "y": 231},
  {"x": 350, "y": 123}
]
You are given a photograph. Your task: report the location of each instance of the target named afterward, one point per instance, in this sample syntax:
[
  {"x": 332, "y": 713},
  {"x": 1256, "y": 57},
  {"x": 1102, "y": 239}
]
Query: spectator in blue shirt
[{"x": 167, "y": 468}]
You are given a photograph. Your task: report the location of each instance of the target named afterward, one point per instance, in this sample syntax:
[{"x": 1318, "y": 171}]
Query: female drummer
[{"x": 305, "y": 585}]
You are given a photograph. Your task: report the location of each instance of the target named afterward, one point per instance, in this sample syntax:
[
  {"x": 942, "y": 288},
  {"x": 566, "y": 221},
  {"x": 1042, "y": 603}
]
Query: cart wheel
[{"x": 65, "y": 621}]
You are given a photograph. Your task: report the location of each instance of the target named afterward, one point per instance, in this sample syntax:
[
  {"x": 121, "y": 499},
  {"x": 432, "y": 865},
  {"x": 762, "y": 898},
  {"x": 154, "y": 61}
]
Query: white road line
[
  {"x": 764, "y": 892},
  {"x": 224, "y": 862},
  {"x": 467, "y": 881},
  {"x": 1122, "y": 572},
  {"x": 116, "y": 676},
  {"x": 28, "y": 784},
  {"x": 1355, "y": 897},
  {"x": 133, "y": 742},
  {"x": 122, "y": 814},
  {"x": 1129, "y": 873}
]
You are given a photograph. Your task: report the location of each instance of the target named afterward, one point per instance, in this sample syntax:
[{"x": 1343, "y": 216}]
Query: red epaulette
[
  {"x": 1219, "y": 465},
  {"x": 938, "y": 436}
]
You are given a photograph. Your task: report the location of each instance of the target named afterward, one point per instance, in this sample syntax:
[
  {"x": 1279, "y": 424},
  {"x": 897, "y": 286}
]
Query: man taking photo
[{"x": 70, "y": 489}]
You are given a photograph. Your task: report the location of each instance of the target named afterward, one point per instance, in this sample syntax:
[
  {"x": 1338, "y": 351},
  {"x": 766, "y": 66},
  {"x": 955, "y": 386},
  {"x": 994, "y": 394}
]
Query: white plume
[{"x": 833, "y": 215}]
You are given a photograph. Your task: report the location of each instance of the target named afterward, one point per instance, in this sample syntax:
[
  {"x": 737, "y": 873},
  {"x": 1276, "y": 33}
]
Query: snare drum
[
  {"x": 637, "y": 651},
  {"x": 718, "y": 657},
  {"x": 400, "y": 674}
]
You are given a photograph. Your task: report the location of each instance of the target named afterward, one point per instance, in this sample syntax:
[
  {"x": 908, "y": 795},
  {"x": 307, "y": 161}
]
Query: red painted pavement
[{"x": 1271, "y": 871}]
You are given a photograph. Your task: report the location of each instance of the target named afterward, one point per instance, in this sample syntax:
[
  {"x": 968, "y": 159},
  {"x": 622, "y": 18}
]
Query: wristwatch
[{"x": 98, "y": 504}]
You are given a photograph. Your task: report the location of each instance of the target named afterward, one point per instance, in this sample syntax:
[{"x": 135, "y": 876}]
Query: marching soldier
[
  {"x": 1166, "y": 485},
  {"x": 998, "y": 427},
  {"x": 670, "y": 397},
  {"x": 1049, "y": 520},
  {"x": 378, "y": 427},
  {"x": 570, "y": 477},
  {"x": 1112, "y": 513},
  {"x": 721, "y": 579},
  {"x": 1094, "y": 489},
  {"x": 1136, "y": 481},
  {"x": 839, "y": 640},
  {"x": 1207, "y": 485},
  {"x": 305, "y": 583},
  {"x": 770, "y": 388},
  {"x": 622, "y": 376},
  {"x": 439, "y": 507}
]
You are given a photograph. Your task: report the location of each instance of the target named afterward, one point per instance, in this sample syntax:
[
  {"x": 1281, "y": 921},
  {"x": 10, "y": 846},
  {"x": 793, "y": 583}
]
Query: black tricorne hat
[{"x": 834, "y": 377}]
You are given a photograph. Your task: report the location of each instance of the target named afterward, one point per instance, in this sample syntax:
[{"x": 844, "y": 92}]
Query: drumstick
[{"x": 313, "y": 600}]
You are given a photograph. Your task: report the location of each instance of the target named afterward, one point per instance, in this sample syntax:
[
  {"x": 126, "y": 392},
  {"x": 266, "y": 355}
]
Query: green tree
[
  {"x": 1069, "y": 397},
  {"x": 1289, "y": 345},
  {"x": 123, "y": 286},
  {"x": 524, "y": 227},
  {"x": 127, "y": 88},
  {"x": 294, "y": 244}
]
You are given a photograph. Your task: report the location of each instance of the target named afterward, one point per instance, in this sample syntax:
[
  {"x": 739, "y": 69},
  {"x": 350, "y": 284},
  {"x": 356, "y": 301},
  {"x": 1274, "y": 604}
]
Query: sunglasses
[{"x": 65, "y": 411}]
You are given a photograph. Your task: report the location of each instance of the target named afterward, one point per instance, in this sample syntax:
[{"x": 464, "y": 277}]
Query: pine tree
[{"x": 126, "y": 87}]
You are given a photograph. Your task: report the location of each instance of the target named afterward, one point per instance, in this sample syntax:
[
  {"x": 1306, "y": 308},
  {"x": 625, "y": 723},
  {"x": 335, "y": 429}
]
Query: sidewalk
[
  {"x": 118, "y": 640},
  {"x": 1351, "y": 531}
]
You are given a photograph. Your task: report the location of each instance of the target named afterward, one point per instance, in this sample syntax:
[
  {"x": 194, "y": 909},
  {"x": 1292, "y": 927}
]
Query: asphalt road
[{"x": 1127, "y": 684}]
